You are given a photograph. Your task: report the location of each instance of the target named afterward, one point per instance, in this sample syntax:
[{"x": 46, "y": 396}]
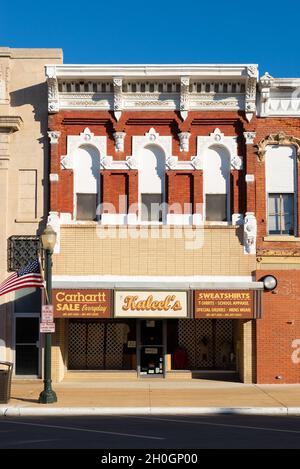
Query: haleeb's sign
[{"x": 150, "y": 304}]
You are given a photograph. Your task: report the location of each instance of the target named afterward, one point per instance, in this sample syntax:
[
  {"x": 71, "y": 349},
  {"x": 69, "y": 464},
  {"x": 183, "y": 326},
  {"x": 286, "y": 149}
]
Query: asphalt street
[{"x": 225, "y": 431}]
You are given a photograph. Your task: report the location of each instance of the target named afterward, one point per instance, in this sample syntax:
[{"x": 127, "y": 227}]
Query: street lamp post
[{"x": 48, "y": 396}]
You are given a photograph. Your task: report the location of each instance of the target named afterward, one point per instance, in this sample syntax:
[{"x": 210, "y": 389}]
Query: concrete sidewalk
[{"x": 145, "y": 397}]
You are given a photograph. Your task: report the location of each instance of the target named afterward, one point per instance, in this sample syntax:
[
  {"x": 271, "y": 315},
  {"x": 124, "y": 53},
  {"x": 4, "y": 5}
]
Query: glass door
[
  {"x": 27, "y": 345},
  {"x": 152, "y": 340}
]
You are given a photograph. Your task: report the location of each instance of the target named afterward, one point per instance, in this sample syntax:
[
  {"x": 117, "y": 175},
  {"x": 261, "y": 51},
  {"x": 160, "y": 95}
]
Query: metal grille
[
  {"x": 196, "y": 338},
  {"x": 114, "y": 346},
  {"x": 96, "y": 345},
  {"x": 22, "y": 250},
  {"x": 208, "y": 342},
  {"x": 77, "y": 345},
  {"x": 224, "y": 343}
]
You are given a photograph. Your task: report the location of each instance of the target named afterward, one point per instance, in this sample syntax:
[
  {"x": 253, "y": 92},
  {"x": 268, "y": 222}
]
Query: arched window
[
  {"x": 280, "y": 188},
  {"x": 152, "y": 183},
  {"x": 86, "y": 182},
  {"x": 216, "y": 180}
]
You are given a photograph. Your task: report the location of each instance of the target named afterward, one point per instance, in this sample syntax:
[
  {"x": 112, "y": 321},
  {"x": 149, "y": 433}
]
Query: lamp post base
[{"x": 47, "y": 396}]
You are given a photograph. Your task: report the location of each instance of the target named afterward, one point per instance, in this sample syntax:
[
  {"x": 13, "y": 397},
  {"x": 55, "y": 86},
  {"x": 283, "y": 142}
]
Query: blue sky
[{"x": 155, "y": 31}]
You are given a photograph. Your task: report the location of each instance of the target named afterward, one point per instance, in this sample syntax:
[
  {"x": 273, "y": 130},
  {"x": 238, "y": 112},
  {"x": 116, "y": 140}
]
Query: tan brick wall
[
  {"x": 58, "y": 350},
  {"x": 84, "y": 253},
  {"x": 22, "y": 204},
  {"x": 244, "y": 338}
]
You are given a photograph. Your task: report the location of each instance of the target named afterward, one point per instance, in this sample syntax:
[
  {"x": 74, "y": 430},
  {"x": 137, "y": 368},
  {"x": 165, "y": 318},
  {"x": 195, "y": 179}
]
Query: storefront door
[
  {"x": 151, "y": 347},
  {"x": 27, "y": 345}
]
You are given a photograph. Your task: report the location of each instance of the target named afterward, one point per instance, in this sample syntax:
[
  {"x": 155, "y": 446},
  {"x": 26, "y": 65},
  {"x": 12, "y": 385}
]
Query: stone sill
[
  {"x": 149, "y": 226},
  {"x": 281, "y": 239},
  {"x": 11, "y": 123}
]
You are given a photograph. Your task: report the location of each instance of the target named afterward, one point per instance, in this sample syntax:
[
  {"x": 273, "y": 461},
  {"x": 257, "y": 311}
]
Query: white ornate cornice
[
  {"x": 279, "y": 96},
  {"x": 81, "y": 71},
  {"x": 153, "y": 87}
]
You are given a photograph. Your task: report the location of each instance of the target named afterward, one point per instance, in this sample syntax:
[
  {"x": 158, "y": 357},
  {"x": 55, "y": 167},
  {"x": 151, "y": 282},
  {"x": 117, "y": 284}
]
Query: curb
[{"x": 119, "y": 411}]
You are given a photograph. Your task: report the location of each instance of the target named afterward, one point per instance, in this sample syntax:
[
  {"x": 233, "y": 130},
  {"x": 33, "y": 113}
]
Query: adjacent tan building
[{"x": 23, "y": 175}]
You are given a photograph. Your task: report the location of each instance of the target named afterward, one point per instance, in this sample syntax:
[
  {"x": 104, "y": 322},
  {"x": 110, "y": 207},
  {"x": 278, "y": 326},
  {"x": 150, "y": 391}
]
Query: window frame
[
  {"x": 96, "y": 218},
  {"x": 162, "y": 210},
  {"x": 226, "y": 209},
  {"x": 280, "y": 214}
]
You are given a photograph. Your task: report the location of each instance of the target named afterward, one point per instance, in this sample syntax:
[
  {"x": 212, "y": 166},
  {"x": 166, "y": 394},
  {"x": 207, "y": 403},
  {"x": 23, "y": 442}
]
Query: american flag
[{"x": 27, "y": 277}]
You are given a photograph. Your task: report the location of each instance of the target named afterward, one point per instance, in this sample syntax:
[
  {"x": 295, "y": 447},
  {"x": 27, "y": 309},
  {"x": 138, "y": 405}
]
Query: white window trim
[
  {"x": 217, "y": 138},
  {"x": 139, "y": 143},
  {"x": 296, "y": 234}
]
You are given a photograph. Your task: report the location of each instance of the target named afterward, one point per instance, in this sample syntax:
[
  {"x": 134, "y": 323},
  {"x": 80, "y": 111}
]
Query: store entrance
[{"x": 151, "y": 347}]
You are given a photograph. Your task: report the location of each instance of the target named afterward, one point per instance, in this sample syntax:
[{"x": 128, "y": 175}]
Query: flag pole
[{"x": 43, "y": 277}]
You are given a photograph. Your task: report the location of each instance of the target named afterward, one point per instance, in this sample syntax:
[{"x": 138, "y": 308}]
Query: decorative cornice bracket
[
  {"x": 250, "y": 101},
  {"x": 54, "y": 136},
  {"x": 249, "y": 137},
  {"x": 184, "y": 97},
  {"x": 118, "y": 98}
]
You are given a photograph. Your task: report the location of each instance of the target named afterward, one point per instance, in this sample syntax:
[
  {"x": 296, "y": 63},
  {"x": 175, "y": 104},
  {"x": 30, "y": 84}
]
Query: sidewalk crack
[{"x": 273, "y": 398}]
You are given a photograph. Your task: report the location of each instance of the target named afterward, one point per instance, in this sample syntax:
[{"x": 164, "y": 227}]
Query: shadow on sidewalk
[{"x": 36, "y": 401}]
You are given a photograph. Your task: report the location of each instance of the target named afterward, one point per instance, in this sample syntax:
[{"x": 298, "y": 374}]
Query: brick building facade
[
  {"x": 199, "y": 119},
  {"x": 170, "y": 184}
]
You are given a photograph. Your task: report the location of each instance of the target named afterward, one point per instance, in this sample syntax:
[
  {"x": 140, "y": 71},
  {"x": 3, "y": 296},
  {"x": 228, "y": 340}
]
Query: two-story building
[{"x": 152, "y": 197}]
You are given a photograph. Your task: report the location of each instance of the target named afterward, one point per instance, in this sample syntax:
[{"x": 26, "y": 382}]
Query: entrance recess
[
  {"x": 27, "y": 345},
  {"x": 151, "y": 340}
]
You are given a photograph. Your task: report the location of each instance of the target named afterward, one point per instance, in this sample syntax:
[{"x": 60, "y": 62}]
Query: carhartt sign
[
  {"x": 82, "y": 303},
  {"x": 138, "y": 304}
]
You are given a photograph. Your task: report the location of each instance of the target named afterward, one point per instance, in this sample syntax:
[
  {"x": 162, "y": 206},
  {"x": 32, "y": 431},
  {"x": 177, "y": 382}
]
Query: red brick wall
[
  {"x": 115, "y": 185},
  {"x": 187, "y": 187},
  {"x": 278, "y": 328},
  {"x": 263, "y": 128}
]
